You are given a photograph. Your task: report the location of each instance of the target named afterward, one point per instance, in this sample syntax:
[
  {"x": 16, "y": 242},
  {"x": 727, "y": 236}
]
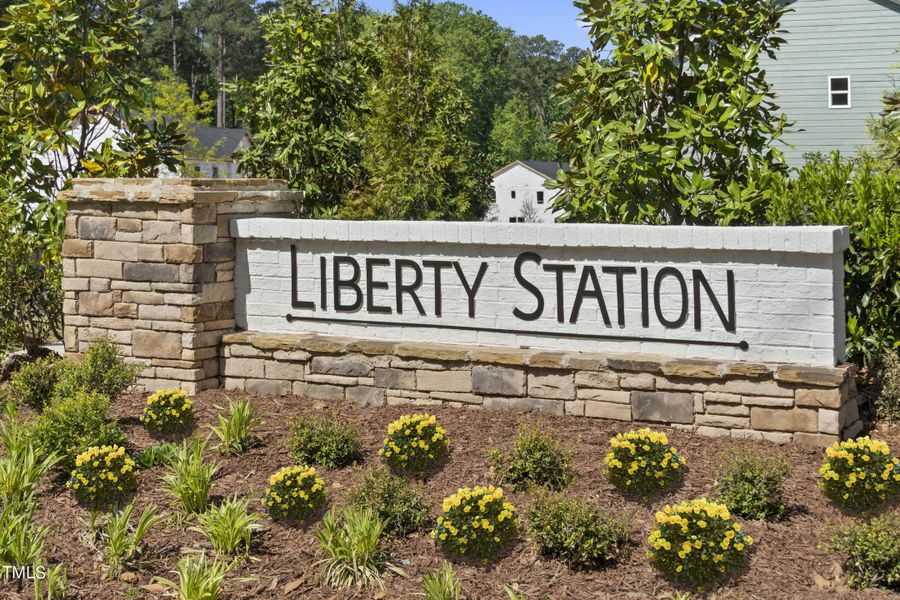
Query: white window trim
[{"x": 849, "y": 92}]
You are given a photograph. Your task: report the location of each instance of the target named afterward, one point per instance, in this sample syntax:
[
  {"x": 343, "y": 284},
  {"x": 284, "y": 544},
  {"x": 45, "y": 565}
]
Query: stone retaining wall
[{"x": 779, "y": 403}]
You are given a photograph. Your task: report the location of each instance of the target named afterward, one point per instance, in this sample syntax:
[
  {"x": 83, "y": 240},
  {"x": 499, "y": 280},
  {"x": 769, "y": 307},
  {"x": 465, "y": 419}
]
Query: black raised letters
[
  {"x": 589, "y": 274},
  {"x": 539, "y": 310},
  {"x": 657, "y": 299},
  {"x": 346, "y": 284},
  {"x": 408, "y": 288}
]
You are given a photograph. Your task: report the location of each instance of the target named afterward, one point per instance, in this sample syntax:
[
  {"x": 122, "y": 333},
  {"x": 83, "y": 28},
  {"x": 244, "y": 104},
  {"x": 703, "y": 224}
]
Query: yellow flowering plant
[
  {"x": 642, "y": 462},
  {"x": 860, "y": 474},
  {"x": 696, "y": 542},
  {"x": 102, "y": 476},
  {"x": 476, "y": 522},
  {"x": 294, "y": 493},
  {"x": 414, "y": 443},
  {"x": 168, "y": 412}
]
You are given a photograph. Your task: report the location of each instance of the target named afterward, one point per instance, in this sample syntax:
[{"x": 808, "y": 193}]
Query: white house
[
  {"x": 522, "y": 194},
  {"x": 209, "y": 154}
]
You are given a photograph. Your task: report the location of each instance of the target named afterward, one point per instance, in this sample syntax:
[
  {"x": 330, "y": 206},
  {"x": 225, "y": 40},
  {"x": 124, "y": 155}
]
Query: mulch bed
[{"x": 788, "y": 560}]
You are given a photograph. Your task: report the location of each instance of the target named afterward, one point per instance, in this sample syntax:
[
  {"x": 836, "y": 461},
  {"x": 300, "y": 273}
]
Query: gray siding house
[{"x": 833, "y": 71}]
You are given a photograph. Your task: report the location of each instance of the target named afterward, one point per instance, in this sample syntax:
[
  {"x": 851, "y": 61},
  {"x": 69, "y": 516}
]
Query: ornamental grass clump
[
  {"x": 229, "y": 526},
  {"x": 476, "y": 522},
  {"x": 642, "y": 462},
  {"x": 120, "y": 539},
  {"x": 751, "y": 484},
  {"x": 198, "y": 579},
  {"x": 860, "y": 474},
  {"x": 168, "y": 412},
  {"x": 294, "y": 493},
  {"x": 235, "y": 428},
  {"x": 441, "y": 584},
  {"x": 102, "y": 476},
  {"x": 414, "y": 443},
  {"x": 323, "y": 441},
  {"x": 697, "y": 542},
  {"x": 189, "y": 477},
  {"x": 535, "y": 459},
  {"x": 575, "y": 531}
]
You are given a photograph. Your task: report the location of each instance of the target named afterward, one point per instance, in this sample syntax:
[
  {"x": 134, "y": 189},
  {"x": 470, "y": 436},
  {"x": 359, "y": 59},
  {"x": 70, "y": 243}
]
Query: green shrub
[
  {"x": 229, "y": 526},
  {"x": 102, "y": 476},
  {"x": 160, "y": 454},
  {"x": 476, "y": 522},
  {"x": 871, "y": 552},
  {"x": 751, "y": 484},
  {"x": 537, "y": 459},
  {"x": 35, "y": 383},
  {"x": 394, "y": 499},
  {"x": 189, "y": 477},
  {"x": 198, "y": 579},
  {"x": 20, "y": 467},
  {"x": 294, "y": 493},
  {"x": 103, "y": 370},
  {"x": 414, "y": 443},
  {"x": 352, "y": 543},
  {"x": 21, "y": 543},
  {"x": 71, "y": 425},
  {"x": 887, "y": 404},
  {"x": 642, "y": 462},
  {"x": 865, "y": 197},
  {"x": 575, "y": 532},
  {"x": 441, "y": 584},
  {"x": 860, "y": 474},
  {"x": 696, "y": 542},
  {"x": 53, "y": 585},
  {"x": 168, "y": 412},
  {"x": 322, "y": 441},
  {"x": 121, "y": 539},
  {"x": 235, "y": 429}
]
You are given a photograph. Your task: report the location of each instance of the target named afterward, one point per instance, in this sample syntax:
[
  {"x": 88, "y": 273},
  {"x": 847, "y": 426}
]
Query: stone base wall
[
  {"x": 150, "y": 263},
  {"x": 779, "y": 403}
]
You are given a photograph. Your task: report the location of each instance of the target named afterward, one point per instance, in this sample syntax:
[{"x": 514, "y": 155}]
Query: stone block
[
  {"x": 732, "y": 410},
  {"x": 424, "y": 351},
  {"x": 607, "y": 410},
  {"x": 721, "y": 398},
  {"x": 96, "y": 228},
  {"x": 395, "y": 378},
  {"x": 608, "y": 396},
  {"x": 500, "y": 356},
  {"x": 332, "y": 393},
  {"x": 543, "y": 405},
  {"x": 73, "y": 248},
  {"x": 156, "y": 344},
  {"x": 137, "y": 297},
  {"x": 124, "y": 251},
  {"x": 96, "y": 304},
  {"x": 125, "y": 310},
  {"x": 245, "y": 367},
  {"x": 547, "y": 360},
  {"x": 161, "y": 232},
  {"x": 663, "y": 407},
  {"x": 777, "y": 437},
  {"x": 444, "y": 381},
  {"x": 747, "y": 434},
  {"x": 267, "y": 387},
  {"x": 707, "y": 431},
  {"x": 365, "y": 395},
  {"x": 160, "y": 312},
  {"x": 820, "y": 440},
  {"x": 154, "y": 272},
  {"x": 819, "y": 398},
  {"x": 695, "y": 369},
  {"x": 602, "y": 380},
  {"x": 784, "y": 419},
  {"x": 640, "y": 381},
  {"x": 636, "y": 363},
  {"x": 497, "y": 381},
  {"x": 670, "y": 384},
  {"x": 829, "y": 421},
  {"x": 722, "y": 421},
  {"x": 129, "y": 225},
  {"x": 285, "y": 370},
  {"x": 768, "y": 402},
  {"x": 575, "y": 408},
  {"x": 750, "y": 387},
  {"x": 335, "y": 379},
  {"x": 456, "y": 397},
  {"x": 90, "y": 267},
  {"x": 292, "y": 355},
  {"x": 547, "y": 384},
  {"x": 199, "y": 234},
  {"x": 815, "y": 376},
  {"x": 584, "y": 361},
  {"x": 345, "y": 366},
  {"x": 183, "y": 253},
  {"x": 849, "y": 412}
]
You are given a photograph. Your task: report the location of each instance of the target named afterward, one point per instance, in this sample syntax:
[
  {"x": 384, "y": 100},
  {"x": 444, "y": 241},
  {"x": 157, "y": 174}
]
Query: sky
[{"x": 554, "y": 19}]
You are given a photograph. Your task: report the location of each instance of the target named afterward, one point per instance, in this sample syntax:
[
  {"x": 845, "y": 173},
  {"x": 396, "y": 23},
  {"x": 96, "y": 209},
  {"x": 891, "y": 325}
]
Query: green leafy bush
[
  {"x": 294, "y": 493},
  {"x": 887, "y": 404},
  {"x": 352, "y": 543},
  {"x": 871, "y": 552},
  {"x": 229, "y": 526},
  {"x": 102, "y": 476},
  {"x": 696, "y": 542},
  {"x": 441, "y": 584},
  {"x": 537, "y": 459},
  {"x": 168, "y": 412},
  {"x": 642, "y": 462},
  {"x": 322, "y": 441},
  {"x": 476, "y": 522},
  {"x": 394, "y": 499},
  {"x": 235, "y": 429},
  {"x": 575, "y": 531},
  {"x": 860, "y": 474},
  {"x": 103, "y": 370},
  {"x": 836, "y": 191},
  {"x": 71, "y": 425},
  {"x": 414, "y": 443},
  {"x": 751, "y": 484},
  {"x": 189, "y": 477},
  {"x": 160, "y": 454},
  {"x": 35, "y": 383}
]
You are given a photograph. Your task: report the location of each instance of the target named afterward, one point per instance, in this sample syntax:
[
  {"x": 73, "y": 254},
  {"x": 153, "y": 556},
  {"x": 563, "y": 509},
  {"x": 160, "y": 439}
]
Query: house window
[
  {"x": 512, "y": 194},
  {"x": 516, "y": 219},
  {"x": 215, "y": 172},
  {"x": 839, "y": 92},
  {"x": 540, "y": 197}
]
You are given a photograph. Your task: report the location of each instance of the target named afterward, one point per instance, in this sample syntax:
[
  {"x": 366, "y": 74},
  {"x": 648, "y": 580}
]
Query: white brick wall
[{"x": 788, "y": 283}]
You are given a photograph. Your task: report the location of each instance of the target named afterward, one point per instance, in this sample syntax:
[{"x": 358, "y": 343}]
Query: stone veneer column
[{"x": 150, "y": 263}]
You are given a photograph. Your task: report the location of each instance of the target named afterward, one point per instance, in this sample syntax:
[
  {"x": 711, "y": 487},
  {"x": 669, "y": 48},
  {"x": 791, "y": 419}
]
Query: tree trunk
[
  {"x": 220, "y": 74},
  {"x": 174, "y": 41}
]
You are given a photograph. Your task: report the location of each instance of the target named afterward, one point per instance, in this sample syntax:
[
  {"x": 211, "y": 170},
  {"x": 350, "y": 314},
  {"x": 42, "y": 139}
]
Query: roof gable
[{"x": 543, "y": 168}]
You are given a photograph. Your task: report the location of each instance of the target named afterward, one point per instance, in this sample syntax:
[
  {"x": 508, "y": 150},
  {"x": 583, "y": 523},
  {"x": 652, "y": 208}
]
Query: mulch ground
[{"x": 788, "y": 561}]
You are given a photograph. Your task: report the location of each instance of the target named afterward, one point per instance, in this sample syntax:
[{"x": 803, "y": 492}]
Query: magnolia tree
[{"x": 670, "y": 117}]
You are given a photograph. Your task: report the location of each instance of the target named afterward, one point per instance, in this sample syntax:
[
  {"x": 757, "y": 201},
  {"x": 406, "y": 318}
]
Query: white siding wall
[
  {"x": 526, "y": 184},
  {"x": 855, "y": 38}
]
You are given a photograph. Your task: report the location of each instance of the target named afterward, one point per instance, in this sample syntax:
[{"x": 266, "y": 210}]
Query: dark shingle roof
[
  {"x": 545, "y": 167},
  {"x": 222, "y": 141}
]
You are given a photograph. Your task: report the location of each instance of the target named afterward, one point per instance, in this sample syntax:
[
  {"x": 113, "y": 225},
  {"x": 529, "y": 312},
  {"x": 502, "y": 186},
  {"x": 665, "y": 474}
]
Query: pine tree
[{"x": 416, "y": 145}]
